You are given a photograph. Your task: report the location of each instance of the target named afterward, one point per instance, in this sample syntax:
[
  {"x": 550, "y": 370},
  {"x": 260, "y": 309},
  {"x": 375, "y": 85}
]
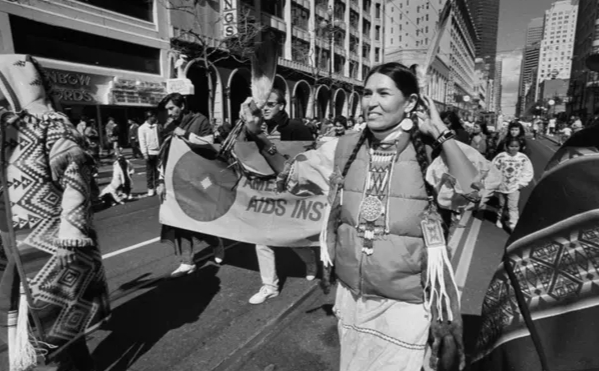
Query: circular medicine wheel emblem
[
  {"x": 203, "y": 188},
  {"x": 372, "y": 208}
]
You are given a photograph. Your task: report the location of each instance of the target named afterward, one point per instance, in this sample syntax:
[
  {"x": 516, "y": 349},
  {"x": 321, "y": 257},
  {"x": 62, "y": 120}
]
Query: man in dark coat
[
  {"x": 280, "y": 126},
  {"x": 196, "y": 128}
]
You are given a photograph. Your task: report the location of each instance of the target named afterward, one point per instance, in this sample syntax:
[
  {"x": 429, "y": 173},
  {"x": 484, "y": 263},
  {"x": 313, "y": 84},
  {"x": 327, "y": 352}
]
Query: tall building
[
  {"x": 583, "y": 93},
  {"x": 485, "y": 15},
  {"x": 105, "y": 59},
  {"x": 557, "y": 46},
  {"x": 409, "y": 29},
  {"x": 497, "y": 83},
  {"x": 326, "y": 49},
  {"x": 459, "y": 43},
  {"x": 530, "y": 61}
]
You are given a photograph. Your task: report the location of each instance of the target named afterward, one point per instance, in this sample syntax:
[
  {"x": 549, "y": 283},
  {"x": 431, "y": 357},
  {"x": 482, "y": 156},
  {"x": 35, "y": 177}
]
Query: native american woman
[{"x": 396, "y": 293}]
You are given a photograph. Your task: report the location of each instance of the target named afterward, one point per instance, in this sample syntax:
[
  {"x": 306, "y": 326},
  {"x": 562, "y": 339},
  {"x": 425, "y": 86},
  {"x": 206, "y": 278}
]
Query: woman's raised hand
[{"x": 430, "y": 122}]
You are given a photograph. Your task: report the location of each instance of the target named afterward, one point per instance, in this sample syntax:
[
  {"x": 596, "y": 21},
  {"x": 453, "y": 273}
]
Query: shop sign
[
  {"x": 78, "y": 87},
  {"x": 181, "y": 86},
  {"x": 135, "y": 92},
  {"x": 230, "y": 15}
]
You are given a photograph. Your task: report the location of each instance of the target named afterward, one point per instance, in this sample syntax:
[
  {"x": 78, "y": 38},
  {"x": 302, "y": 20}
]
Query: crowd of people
[{"x": 384, "y": 234}]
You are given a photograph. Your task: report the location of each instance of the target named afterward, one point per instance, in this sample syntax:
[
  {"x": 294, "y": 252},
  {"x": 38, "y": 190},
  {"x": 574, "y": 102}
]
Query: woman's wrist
[{"x": 437, "y": 131}]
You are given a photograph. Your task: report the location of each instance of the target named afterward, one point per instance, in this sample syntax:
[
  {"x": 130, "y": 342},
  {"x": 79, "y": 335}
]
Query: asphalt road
[{"x": 204, "y": 322}]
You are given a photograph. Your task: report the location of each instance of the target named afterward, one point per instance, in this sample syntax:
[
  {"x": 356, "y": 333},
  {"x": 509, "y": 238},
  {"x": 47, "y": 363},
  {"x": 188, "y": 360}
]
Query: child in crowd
[
  {"x": 566, "y": 132},
  {"x": 121, "y": 185},
  {"x": 517, "y": 172}
]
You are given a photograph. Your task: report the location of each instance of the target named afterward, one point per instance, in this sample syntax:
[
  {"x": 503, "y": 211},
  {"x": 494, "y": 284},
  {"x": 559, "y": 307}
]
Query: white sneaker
[
  {"x": 183, "y": 270},
  {"x": 263, "y": 295},
  {"x": 219, "y": 252},
  {"x": 311, "y": 270},
  {"x": 151, "y": 192},
  {"x": 499, "y": 224}
]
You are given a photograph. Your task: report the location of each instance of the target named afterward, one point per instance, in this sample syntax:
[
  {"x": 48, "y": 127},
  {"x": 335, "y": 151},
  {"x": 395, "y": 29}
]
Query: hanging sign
[
  {"x": 181, "y": 86},
  {"x": 78, "y": 87},
  {"x": 230, "y": 15}
]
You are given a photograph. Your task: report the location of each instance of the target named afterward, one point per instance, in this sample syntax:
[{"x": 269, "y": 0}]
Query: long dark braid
[{"x": 335, "y": 216}]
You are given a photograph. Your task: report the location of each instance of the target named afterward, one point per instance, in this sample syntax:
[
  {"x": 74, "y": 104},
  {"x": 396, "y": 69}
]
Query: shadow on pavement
[
  {"x": 137, "y": 325},
  {"x": 472, "y": 325},
  {"x": 288, "y": 263}
]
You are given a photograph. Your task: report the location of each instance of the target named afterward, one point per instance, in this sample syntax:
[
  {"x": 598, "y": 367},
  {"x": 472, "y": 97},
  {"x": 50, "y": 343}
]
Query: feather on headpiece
[{"x": 264, "y": 68}]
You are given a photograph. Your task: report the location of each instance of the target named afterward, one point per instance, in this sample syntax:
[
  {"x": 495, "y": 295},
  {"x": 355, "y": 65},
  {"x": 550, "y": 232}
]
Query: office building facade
[
  {"x": 485, "y": 16},
  {"x": 105, "y": 59},
  {"x": 530, "y": 61},
  {"x": 584, "y": 84},
  {"x": 557, "y": 45},
  {"x": 314, "y": 69},
  {"x": 410, "y": 29}
]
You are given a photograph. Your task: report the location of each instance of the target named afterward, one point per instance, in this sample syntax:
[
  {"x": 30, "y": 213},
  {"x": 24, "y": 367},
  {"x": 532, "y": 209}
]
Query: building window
[
  {"x": 43, "y": 40},
  {"x": 141, "y": 9}
]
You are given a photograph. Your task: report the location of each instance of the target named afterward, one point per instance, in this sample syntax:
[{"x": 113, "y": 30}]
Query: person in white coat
[{"x": 149, "y": 145}]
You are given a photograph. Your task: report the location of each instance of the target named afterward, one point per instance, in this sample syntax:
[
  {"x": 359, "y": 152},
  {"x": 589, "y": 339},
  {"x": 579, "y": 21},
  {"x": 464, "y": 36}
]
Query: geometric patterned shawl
[
  {"x": 541, "y": 310},
  {"x": 49, "y": 180}
]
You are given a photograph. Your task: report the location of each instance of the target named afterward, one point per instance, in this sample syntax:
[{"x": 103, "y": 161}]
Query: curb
[
  {"x": 235, "y": 360},
  {"x": 549, "y": 138}
]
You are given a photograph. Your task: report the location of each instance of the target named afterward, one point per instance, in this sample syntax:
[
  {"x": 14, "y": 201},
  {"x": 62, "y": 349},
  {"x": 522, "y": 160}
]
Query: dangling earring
[{"x": 406, "y": 124}]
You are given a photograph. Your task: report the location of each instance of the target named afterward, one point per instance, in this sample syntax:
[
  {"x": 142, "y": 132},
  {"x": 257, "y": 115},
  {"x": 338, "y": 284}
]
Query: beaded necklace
[{"x": 373, "y": 219}]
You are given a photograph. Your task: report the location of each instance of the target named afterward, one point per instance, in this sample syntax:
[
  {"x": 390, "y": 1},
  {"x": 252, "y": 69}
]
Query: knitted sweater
[
  {"x": 516, "y": 171},
  {"x": 149, "y": 141}
]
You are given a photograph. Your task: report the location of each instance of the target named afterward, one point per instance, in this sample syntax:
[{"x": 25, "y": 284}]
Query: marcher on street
[
  {"x": 279, "y": 126},
  {"x": 195, "y": 128}
]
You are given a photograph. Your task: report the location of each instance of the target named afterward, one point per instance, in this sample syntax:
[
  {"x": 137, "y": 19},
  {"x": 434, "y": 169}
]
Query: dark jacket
[
  {"x": 191, "y": 122},
  {"x": 194, "y": 123},
  {"x": 290, "y": 129}
]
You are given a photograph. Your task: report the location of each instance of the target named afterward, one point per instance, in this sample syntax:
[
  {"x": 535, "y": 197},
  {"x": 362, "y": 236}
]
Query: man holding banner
[
  {"x": 193, "y": 127},
  {"x": 280, "y": 126}
]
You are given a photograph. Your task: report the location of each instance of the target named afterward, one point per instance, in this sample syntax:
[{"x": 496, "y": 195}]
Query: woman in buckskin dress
[{"x": 396, "y": 295}]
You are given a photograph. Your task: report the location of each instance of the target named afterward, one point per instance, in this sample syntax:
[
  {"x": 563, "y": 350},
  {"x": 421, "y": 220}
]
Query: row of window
[
  {"x": 47, "y": 41},
  {"x": 141, "y": 9}
]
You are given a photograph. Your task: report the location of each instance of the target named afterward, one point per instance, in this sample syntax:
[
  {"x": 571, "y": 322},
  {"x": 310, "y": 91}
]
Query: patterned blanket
[
  {"x": 541, "y": 310},
  {"x": 48, "y": 177}
]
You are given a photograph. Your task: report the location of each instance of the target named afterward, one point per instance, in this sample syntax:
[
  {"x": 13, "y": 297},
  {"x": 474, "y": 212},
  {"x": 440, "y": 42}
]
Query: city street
[{"x": 204, "y": 322}]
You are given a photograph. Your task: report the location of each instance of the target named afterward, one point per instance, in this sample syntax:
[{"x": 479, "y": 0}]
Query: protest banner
[{"x": 208, "y": 196}]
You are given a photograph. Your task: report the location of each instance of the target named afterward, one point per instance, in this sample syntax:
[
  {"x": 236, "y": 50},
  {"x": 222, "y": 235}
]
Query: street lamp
[
  {"x": 330, "y": 27},
  {"x": 465, "y": 100},
  {"x": 551, "y": 103}
]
